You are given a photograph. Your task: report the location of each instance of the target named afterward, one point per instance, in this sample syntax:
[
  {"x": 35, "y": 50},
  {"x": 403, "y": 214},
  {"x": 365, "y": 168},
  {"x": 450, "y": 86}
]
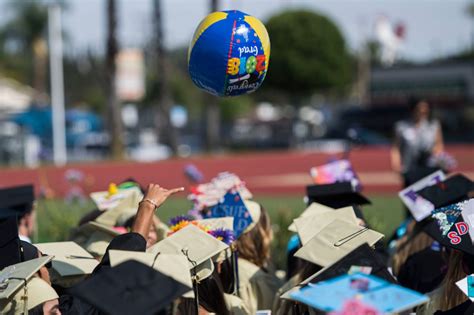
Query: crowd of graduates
[{"x": 216, "y": 258}]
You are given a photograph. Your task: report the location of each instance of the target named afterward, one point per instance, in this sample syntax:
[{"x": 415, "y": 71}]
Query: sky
[{"x": 434, "y": 28}]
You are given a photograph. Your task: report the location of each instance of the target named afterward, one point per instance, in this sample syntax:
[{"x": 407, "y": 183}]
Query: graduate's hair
[
  {"x": 226, "y": 275},
  {"x": 413, "y": 242},
  {"x": 211, "y": 297},
  {"x": 254, "y": 245},
  {"x": 451, "y": 295}
]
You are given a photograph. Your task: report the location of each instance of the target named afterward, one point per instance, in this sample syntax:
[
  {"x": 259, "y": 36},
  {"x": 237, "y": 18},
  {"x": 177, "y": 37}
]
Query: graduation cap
[
  {"x": 361, "y": 256},
  {"x": 314, "y": 208},
  {"x": 448, "y": 227},
  {"x": 424, "y": 271},
  {"x": 10, "y": 250},
  {"x": 70, "y": 263},
  {"x": 217, "y": 223},
  {"x": 16, "y": 201},
  {"x": 170, "y": 265},
  {"x": 196, "y": 245},
  {"x": 123, "y": 210},
  {"x": 449, "y": 191},
  {"x": 336, "y": 240},
  {"x": 337, "y": 195},
  {"x": 129, "y": 288},
  {"x": 308, "y": 227},
  {"x": 18, "y": 285},
  {"x": 94, "y": 237},
  {"x": 383, "y": 297}
]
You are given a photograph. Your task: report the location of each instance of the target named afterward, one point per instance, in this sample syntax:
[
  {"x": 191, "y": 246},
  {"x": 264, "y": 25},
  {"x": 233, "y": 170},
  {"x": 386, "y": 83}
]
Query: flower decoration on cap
[
  {"x": 181, "y": 221},
  {"x": 223, "y": 235}
]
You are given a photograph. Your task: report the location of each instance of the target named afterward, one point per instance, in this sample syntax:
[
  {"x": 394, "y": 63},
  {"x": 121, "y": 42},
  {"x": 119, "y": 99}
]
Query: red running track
[{"x": 282, "y": 172}]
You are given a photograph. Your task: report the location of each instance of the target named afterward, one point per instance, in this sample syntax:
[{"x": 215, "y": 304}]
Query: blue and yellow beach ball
[{"x": 229, "y": 53}]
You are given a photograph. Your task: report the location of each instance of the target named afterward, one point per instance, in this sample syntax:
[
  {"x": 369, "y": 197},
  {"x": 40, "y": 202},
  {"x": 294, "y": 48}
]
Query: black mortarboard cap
[
  {"x": 363, "y": 256},
  {"x": 449, "y": 191},
  {"x": 425, "y": 270},
  {"x": 129, "y": 288},
  {"x": 9, "y": 242},
  {"x": 337, "y": 195},
  {"x": 16, "y": 201},
  {"x": 448, "y": 228},
  {"x": 414, "y": 175},
  {"x": 465, "y": 308}
]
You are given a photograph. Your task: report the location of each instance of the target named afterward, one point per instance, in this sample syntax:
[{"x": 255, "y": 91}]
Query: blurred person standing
[{"x": 416, "y": 140}]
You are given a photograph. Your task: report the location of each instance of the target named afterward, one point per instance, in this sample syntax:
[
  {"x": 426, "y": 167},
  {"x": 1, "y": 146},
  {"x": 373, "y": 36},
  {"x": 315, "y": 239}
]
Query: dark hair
[
  {"x": 226, "y": 275},
  {"x": 413, "y": 103},
  {"x": 37, "y": 310},
  {"x": 211, "y": 295}
]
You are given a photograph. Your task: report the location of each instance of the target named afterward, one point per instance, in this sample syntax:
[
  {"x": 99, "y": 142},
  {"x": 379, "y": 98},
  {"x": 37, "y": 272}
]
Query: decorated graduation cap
[
  {"x": 70, "y": 263},
  {"x": 16, "y": 201},
  {"x": 336, "y": 240},
  {"x": 123, "y": 209},
  {"x": 336, "y": 195},
  {"x": 419, "y": 207},
  {"x": 113, "y": 196},
  {"x": 334, "y": 172},
  {"x": 314, "y": 208},
  {"x": 94, "y": 237},
  {"x": 246, "y": 213},
  {"x": 449, "y": 191},
  {"x": 308, "y": 227},
  {"x": 370, "y": 291},
  {"x": 449, "y": 228},
  {"x": 20, "y": 291},
  {"x": 129, "y": 288}
]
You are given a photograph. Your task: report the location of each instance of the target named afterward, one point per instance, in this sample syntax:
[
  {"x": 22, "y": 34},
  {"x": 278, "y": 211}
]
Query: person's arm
[
  {"x": 439, "y": 143},
  {"x": 154, "y": 198},
  {"x": 395, "y": 157}
]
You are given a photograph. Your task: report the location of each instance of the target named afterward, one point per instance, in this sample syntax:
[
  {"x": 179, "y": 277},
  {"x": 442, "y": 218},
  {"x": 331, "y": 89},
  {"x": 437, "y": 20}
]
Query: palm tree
[
  {"x": 113, "y": 104},
  {"x": 28, "y": 28},
  {"x": 164, "y": 126}
]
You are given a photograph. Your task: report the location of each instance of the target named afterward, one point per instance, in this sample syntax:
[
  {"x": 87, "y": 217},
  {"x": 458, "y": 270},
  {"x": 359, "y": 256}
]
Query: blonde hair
[
  {"x": 408, "y": 245},
  {"x": 254, "y": 245},
  {"x": 451, "y": 295}
]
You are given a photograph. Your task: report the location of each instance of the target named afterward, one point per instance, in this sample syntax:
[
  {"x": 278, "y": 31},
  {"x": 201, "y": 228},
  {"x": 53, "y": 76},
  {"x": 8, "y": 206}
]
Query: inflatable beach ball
[{"x": 229, "y": 54}]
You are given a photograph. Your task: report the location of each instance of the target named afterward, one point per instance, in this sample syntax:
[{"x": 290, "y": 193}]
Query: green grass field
[{"x": 55, "y": 217}]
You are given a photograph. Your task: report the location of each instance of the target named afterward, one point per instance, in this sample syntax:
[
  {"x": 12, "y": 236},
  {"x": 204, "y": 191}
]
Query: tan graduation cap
[
  {"x": 18, "y": 285},
  {"x": 196, "y": 245},
  {"x": 94, "y": 237},
  {"x": 71, "y": 261},
  {"x": 172, "y": 265},
  {"x": 308, "y": 227},
  {"x": 334, "y": 241},
  {"x": 123, "y": 210},
  {"x": 314, "y": 208}
]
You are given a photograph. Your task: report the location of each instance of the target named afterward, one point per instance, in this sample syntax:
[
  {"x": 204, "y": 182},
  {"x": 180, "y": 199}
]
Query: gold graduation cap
[
  {"x": 71, "y": 262},
  {"x": 309, "y": 226},
  {"x": 125, "y": 208},
  {"x": 196, "y": 245},
  {"x": 20, "y": 290},
  {"x": 336, "y": 240},
  {"x": 314, "y": 208},
  {"x": 94, "y": 237}
]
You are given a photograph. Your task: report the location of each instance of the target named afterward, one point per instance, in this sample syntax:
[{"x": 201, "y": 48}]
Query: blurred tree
[
  {"x": 114, "y": 120},
  {"x": 164, "y": 126},
  {"x": 25, "y": 32},
  {"x": 309, "y": 55}
]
